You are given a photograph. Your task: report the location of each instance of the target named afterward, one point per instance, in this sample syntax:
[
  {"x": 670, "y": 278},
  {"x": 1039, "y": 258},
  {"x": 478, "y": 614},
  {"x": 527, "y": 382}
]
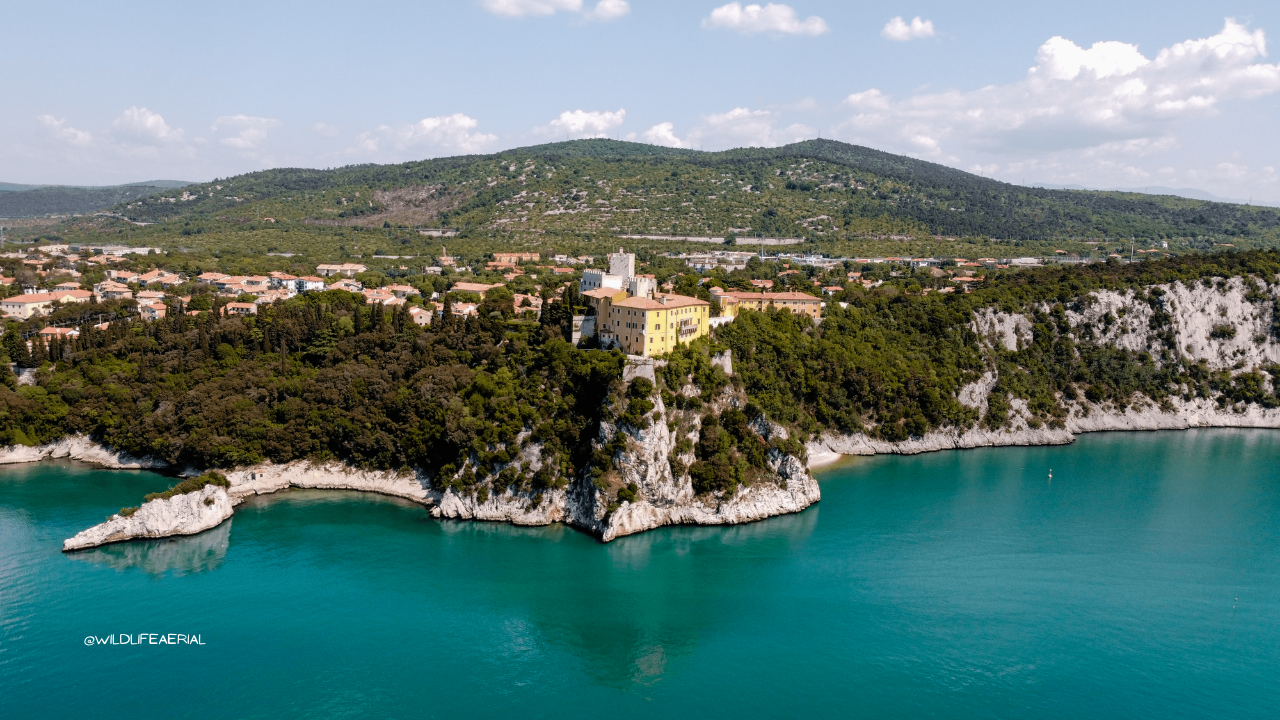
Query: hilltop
[
  {"x": 817, "y": 189},
  {"x": 22, "y": 201}
]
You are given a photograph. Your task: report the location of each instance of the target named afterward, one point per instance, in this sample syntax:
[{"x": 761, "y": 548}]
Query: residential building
[
  {"x": 125, "y": 277},
  {"x": 27, "y": 305},
  {"x": 527, "y": 304},
  {"x": 731, "y": 303},
  {"x": 69, "y": 285},
  {"x": 239, "y": 308},
  {"x": 110, "y": 290},
  {"x": 49, "y": 333},
  {"x": 163, "y": 277},
  {"x": 282, "y": 279},
  {"x": 354, "y": 286},
  {"x": 654, "y": 326},
  {"x": 345, "y": 269},
  {"x": 230, "y": 284},
  {"x": 72, "y": 296},
  {"x": 310, "y": 283},
  {"x": 210, "y": 277},
  {"x": 470, "y": 287},
  {"x": 402, "y": 291},
  {"x": 152, "y": 311},
  {"x": 257, "y": 283},
  {"x": 463, "y": 310},
  {"x": 515, "y": 258},
  {"x": 421, "y": 316}
]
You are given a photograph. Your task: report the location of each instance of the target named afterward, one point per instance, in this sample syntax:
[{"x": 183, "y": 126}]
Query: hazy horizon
[{"x": 1177, "y": 95}]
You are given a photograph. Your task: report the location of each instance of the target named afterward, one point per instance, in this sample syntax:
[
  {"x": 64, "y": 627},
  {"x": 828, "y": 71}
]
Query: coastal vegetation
[{"x": 325, "y": 376}]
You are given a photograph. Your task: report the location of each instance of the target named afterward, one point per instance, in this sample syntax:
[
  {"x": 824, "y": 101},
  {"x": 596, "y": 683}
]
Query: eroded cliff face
[
  {"x": 644, "y": 461},
  {"x": 665, "y": 498},
  {"x": 78, "y": 447},
  {"x": 1225, "y": 323},
  {"x": 179, "y": 515}
]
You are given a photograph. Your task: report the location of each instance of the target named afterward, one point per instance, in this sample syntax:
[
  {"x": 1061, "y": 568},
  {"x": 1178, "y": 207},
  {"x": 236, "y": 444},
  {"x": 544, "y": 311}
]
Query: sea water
[{"x": 1141, "y": 581}]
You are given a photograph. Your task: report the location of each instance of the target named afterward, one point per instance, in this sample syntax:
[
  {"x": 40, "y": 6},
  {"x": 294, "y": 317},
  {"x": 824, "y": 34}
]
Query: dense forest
[{"x": 326, "y": 376}]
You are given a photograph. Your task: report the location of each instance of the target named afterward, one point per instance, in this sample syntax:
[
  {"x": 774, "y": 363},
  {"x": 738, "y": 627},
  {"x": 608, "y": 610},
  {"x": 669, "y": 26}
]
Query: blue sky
[{"x": 1176, "y": 94}]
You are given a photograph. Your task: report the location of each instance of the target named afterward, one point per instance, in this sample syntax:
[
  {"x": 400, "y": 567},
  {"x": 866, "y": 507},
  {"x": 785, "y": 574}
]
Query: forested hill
[
  {"x": 20, "y": 201},
  {"x": 821, "y": 189}
]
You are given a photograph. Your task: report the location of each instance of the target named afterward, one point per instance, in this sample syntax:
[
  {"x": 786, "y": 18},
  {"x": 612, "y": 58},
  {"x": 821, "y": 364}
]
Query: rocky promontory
[{"x": 184, "y": 514}]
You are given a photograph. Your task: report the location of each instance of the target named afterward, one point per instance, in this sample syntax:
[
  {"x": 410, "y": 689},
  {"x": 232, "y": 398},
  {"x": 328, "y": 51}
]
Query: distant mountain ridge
[
  {"x": 19, "y": 201},
  {"x": 1189, "y": 193}
]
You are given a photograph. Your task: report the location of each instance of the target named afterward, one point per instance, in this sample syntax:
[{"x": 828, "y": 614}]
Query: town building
[
  {"x": 653, "y": 326},
  {"x": 515, "y": 258},
  {"x": 111, "y": 290},
  {"x": 731, "y": 303},
  {"x": 309, "y": 283},
  {"x": 477, "y": 288},
  {"x": 621, "y": 276},
  {"x": 348, "y": 285},
  {"x": 49, "y": 333},
  {"x": 421, "y": 316},
  {"x": 152, "y": 311},
  {"x": 345, "y": 269},
  {"x": 31, "y": 304}
]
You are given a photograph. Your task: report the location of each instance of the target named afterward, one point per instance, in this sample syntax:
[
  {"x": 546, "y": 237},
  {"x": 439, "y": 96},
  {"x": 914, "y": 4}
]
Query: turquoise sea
[{"x": 1142, "y": 581}]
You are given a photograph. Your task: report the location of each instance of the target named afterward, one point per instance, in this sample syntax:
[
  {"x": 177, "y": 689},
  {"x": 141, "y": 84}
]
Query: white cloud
[
  {"x": 444, "y": 135},
  {"x": 752, "y": 19},
  {"x": 607, "y": 10},
  {"x": 522, "y": 8},
  {"x": 662, "y": 134},
  {"x": 739, "y": 127},
  {"x": 576, "y": 124},
  {"x": 900, "y": 30},
  {"x": 324, "y": 129},
  {"x": 1094, "y": 116},
  {"x": 138, "y": 124},
  {"x": 604, "y": 11},
  {"x": 250, "y": 131},
  {"x": 58, "y": 129},
  {"x": 742, "y": 127},
  {"x": 1075, "y": 98}
]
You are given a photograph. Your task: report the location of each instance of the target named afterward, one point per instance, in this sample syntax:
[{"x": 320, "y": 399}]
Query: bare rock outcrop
[
  {"x": 78, "y": 447},
  {"x": 185, "y": 514}
]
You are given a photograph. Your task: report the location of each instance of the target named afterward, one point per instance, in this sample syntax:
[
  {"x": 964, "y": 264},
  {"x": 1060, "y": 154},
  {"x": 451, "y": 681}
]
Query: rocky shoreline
[
  {"x": 1143, "y": 415},
  {"x": 664, "y": 504}
]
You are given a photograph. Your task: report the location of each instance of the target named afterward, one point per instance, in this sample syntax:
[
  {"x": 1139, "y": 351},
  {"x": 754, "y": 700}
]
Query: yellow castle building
[{"x": 652, "y": 327}]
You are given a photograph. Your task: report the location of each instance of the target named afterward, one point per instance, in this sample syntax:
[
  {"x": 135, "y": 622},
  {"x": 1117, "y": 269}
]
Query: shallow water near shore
[{"x": 1142, "y": 581}]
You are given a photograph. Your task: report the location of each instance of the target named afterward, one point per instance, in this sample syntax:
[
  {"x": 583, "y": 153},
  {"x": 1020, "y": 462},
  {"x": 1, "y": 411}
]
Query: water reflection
[
  {"x": 185, "y": 555},
  {"x": 635, "y": 609}
]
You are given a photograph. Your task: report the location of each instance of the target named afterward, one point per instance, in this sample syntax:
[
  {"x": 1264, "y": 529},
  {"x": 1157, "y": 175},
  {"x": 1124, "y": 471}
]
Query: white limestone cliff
[
  {"x": 78, "y": 447},
  {"x": 185, "y": 514},
  {"x": 1122, "y": 319}
]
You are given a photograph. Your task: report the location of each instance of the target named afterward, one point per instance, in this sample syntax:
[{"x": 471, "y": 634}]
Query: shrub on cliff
[{"x": 190, "y": 485}]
